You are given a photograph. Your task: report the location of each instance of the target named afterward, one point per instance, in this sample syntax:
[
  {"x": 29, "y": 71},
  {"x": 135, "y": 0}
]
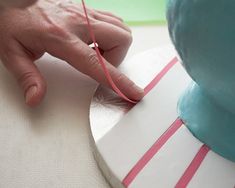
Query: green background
[{"x": 134, "y": 12}]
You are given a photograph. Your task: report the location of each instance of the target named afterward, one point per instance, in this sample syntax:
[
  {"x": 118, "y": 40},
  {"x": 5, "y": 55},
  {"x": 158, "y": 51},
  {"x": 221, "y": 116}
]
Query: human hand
[
  {"x": 16, "y": 3},
  {"x": 60, "y": 28}
]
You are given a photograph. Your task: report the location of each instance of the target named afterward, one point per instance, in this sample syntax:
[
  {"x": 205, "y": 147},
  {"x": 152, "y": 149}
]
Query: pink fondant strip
[
  {"x": 193, "y": 167},
  {"x": 156, "y": 80},
  {"x": 101, "y": 61},
  {"x": 151, "y": 152}
]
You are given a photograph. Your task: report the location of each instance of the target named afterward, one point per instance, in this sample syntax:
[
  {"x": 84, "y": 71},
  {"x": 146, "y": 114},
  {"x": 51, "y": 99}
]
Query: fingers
[
  {"x": 112, "y": 20},
  {"x": 113, "y": 40},
  {"x": 28, "y": 77},
  {"x": 112, "y": 35},
  {"x": 109, "y": 14},
  {"x": 84, "y": 59}
]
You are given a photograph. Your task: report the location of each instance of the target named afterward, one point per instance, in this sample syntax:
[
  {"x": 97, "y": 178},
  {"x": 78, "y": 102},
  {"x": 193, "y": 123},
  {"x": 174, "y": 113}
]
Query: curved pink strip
[
  {"x": 193, "y": 167},
  {"x": 106, "y": 72},
  {"x": 151, "y": 152},
  {"x": 155, "y": 81}
]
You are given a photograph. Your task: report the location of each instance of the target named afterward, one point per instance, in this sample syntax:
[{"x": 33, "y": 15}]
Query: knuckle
[
  {"x": 130, "y": 85},
  {"x": 75, "y": 15},
  {"x": 26, "y": 79},
  {"x": 57, "y": 30},
  {"x": 93, "y": 61},
  {"x": 121, "y": 78},
  {"x": 92, "y": 13}
]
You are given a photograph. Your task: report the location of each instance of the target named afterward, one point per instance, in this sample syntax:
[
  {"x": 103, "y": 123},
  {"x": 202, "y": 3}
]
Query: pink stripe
[
  {"x": 101, "y": 61},
  {"x": 156, "y": 80},
  {"x": 151, "y": 152},
  {"x": 163, "y": 139},
  {"x": 193, "y": 167}
]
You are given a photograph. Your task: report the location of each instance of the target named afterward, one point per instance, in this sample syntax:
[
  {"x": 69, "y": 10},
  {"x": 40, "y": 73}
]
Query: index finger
[{"x": 83, "y": 58}]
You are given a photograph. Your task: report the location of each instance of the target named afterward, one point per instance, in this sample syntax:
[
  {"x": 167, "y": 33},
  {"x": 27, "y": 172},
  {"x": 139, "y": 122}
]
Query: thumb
[{"x": 28, "y": 77}]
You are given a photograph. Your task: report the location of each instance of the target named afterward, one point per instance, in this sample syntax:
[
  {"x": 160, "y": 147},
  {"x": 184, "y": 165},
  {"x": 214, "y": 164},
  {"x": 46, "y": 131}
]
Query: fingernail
[
  {"x": 30, "y": 93},
  {"x": 139, "y": 92}
]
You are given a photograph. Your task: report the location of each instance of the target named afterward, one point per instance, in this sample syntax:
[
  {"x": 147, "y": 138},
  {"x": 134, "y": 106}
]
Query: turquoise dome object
[{"x": 203, "y": 32}]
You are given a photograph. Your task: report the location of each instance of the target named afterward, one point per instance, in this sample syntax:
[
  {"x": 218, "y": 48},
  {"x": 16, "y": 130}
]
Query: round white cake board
[{"x": 122, "y": 134}]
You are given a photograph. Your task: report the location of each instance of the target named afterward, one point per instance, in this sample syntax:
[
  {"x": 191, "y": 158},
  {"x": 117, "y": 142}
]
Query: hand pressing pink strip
[
  {"x": 193, "y": 167},
  {"x": 106, "y": 72}
]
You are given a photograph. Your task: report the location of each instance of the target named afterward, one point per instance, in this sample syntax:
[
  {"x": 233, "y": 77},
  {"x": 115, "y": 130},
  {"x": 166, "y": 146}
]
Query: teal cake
[{"x": 203, "y": 32}]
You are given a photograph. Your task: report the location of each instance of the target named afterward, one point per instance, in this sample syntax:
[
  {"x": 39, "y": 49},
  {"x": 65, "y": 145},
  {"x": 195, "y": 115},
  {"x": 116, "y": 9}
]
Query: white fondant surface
[
  {"x": 174, "y": 158},
  {"x": 214, "y": 169},
  {"x": 122, "y": 145},
  {"x": 143, "y": 125}
]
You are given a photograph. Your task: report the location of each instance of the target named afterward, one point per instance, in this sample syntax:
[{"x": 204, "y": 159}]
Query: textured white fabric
[{"x": 48, "y": 147}]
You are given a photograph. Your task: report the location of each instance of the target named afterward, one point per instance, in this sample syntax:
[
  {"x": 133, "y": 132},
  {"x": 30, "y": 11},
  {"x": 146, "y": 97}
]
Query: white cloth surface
[{"x": 49, "y": 147}]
